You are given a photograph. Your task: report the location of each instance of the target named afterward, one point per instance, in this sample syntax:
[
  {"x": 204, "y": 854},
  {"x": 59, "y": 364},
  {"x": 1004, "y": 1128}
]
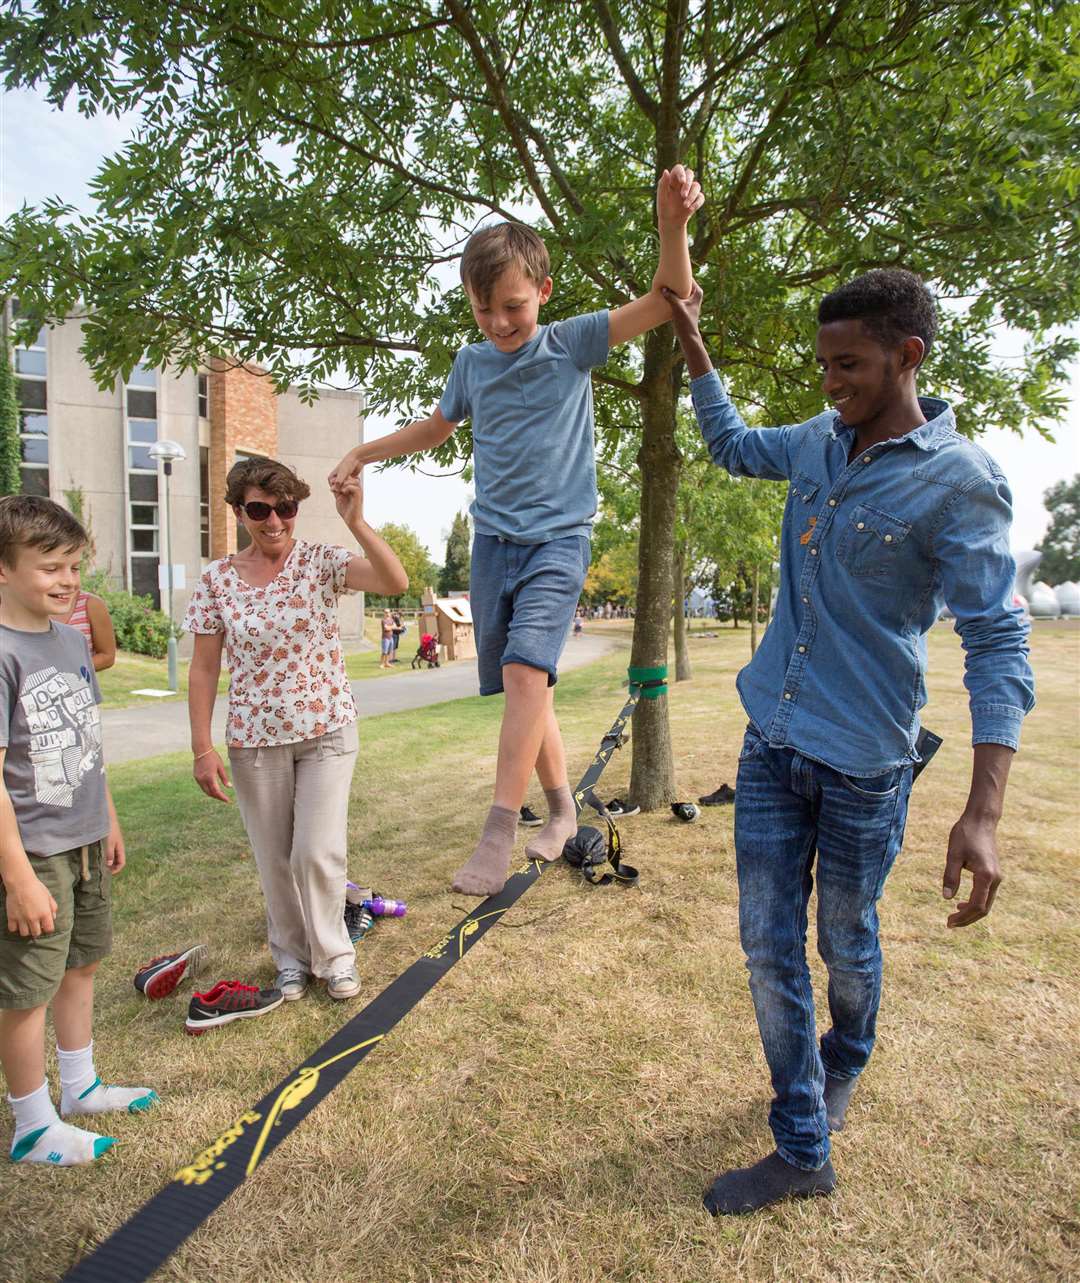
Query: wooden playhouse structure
[{"x": 449, "y": 619}]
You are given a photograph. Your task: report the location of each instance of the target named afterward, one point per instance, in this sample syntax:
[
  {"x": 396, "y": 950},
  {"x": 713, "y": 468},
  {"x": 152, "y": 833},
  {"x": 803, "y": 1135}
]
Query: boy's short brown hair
[
  {"x": 29, "y": 521},
  {"x": 489, "y": 252},
  {"x": 271, "y": 475}
]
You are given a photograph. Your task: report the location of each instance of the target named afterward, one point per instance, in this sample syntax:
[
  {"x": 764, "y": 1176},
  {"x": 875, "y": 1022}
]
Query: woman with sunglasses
[{"x": 291, "y": 729}]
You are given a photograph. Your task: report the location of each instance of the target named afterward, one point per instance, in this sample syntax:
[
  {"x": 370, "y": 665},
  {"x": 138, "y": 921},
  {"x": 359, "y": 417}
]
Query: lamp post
[{"x": 169, "y": 452}]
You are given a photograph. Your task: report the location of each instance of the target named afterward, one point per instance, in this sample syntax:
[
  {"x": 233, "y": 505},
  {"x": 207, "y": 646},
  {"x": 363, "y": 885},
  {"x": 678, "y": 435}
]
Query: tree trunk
[
  {"x": 652, "y": 774},
  {"x": 768, "y": 598},
  {"x": 683, "y": 672},
  {"x": 754, "y": 609}
]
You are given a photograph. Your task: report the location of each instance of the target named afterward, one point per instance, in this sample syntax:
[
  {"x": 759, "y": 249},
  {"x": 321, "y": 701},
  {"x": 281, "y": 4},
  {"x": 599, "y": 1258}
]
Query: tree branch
[{"x": 648, "y": 105}]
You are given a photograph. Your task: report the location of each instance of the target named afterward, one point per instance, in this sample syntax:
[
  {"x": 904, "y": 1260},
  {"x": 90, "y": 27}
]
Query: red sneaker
[
  {"x": 229, "y": 1000},
  {"x": 161, "y": 975}
]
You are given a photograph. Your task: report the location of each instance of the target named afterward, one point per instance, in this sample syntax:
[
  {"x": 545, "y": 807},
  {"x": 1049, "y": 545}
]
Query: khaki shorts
[{"x": 31, "y": 970}]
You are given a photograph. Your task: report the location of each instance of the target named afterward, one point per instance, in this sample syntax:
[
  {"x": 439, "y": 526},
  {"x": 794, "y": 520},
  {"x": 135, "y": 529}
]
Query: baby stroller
[{"x": 427, "y": 652}]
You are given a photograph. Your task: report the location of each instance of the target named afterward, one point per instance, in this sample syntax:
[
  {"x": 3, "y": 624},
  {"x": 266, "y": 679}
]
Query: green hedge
[{"x": 139, "y": 625}]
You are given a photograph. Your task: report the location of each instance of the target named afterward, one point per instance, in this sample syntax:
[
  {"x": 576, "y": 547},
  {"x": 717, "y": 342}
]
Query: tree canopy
[
  {"x": 1060, "y": 546},
  {"x": 305, "y": 172},
  {"x": 454, "y": 575},
  {"x": 412, "y": 554}
]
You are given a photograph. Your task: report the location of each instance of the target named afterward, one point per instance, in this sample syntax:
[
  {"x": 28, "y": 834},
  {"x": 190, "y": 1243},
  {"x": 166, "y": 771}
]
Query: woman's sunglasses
[{"x": 259, "y": 511}]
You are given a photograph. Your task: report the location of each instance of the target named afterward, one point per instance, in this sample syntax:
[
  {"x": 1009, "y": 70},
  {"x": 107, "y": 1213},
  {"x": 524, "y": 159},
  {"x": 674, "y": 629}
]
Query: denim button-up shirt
[{"x": 871, "y": 550}]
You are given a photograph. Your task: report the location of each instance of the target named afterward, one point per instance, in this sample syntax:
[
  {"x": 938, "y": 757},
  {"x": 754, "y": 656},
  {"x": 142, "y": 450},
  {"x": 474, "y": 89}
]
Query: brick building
[{"x": 82, "y": 445}]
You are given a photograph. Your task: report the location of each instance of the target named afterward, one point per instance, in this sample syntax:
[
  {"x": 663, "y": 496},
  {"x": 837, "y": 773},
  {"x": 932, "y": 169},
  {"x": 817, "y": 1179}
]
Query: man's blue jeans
[{"x": 789, "y": 810}]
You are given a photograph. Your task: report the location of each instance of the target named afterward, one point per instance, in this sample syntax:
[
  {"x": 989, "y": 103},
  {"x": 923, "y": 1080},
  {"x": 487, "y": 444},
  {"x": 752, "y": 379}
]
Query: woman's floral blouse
[{"x": 287, "y": 673}]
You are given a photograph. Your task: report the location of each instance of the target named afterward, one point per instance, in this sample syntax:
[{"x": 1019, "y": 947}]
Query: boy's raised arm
[
  {"x": 421, "y": 434},
  {"x": 678, "y": 196}
]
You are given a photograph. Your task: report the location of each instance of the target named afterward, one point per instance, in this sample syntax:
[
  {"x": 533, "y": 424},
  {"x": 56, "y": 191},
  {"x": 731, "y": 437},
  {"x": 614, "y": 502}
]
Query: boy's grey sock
[
  {"x": 837, "y": 1096},
  {"x": 486, "y": 871},
  {"x": 748, "y": 1189},
  {"x": 561, "y": 826}
]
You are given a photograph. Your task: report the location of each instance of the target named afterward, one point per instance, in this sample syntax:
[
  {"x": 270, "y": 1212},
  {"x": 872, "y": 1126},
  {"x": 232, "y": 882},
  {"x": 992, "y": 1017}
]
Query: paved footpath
[{"x": 149, "y": 729}]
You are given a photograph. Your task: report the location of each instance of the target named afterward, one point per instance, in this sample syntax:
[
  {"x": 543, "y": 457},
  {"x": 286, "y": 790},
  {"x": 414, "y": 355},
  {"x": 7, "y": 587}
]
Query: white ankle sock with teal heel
[
  {"x": 83, "y": 1092},
  {"x": 40, "y": 1136}
]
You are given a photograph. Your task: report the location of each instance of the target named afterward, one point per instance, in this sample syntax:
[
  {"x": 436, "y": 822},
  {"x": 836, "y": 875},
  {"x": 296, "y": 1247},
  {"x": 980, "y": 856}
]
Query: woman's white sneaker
[{"x": 346, "y": 984}]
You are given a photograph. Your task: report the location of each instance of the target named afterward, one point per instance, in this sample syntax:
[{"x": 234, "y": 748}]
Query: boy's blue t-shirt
[{"x": 532, "y": 423}]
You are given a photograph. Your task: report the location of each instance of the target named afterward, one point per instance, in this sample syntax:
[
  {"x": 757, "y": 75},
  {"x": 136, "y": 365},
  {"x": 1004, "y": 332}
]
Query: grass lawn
[{"x": 552, "y": 1110}]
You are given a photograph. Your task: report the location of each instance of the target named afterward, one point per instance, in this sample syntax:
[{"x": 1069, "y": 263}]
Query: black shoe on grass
[
  {"x": 229, "y": 1000},
  {"x": 723, "y": 796},
  {"x": 618, "y": 807},
  {"x": 528, "y": 818}
]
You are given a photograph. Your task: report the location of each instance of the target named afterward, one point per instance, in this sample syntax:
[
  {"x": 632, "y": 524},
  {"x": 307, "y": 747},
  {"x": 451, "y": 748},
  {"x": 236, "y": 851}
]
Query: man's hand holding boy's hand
[
  {"x": 678, "y": 196},
  {"x": 31, "y": 910},
  {"x": 685, "y": 312}
]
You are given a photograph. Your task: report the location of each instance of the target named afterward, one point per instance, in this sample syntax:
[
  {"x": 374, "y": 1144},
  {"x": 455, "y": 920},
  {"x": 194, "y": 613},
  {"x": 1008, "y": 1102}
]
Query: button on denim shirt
[{"x": 871, "y": 550}]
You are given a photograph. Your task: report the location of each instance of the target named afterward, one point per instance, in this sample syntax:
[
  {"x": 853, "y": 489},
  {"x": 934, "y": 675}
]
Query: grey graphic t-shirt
[{"x": 49, "y": 723}]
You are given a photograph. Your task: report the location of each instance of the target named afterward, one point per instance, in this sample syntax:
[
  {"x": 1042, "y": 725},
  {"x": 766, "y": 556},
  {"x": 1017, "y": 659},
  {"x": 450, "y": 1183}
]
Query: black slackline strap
[
  {"x": 614, "y": 870},
  {"x": 135, "y": 1249}
]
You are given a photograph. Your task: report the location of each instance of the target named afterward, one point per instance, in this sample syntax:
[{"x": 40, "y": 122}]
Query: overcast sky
[{"x": 48, "y": 153}]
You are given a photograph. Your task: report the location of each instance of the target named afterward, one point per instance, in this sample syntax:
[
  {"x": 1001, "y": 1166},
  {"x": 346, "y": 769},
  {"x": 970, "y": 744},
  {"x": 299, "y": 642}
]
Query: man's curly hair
[{"x": 892, "y": 304}]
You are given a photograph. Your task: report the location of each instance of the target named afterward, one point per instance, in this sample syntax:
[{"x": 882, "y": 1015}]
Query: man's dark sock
[
  {"x": 748, "y": 1189},
  {"x": 837, "y": 1096}
]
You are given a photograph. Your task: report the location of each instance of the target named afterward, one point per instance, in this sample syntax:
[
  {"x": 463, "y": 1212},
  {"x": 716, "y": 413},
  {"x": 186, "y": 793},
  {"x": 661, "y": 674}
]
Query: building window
[
  {"x": 204, "y": 397},
  {"x": 141, "y": 431},
  {"x": 204, "y": 498},
  {"x": 31, "y": 393}
]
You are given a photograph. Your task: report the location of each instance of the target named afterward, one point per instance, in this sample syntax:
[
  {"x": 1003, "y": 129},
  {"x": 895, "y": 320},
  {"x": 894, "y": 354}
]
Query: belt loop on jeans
[{"x": 84, "y": 862}]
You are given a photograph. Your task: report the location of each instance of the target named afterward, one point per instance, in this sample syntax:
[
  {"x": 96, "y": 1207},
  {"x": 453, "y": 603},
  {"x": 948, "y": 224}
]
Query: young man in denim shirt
[{"x": 891, "y": 515}]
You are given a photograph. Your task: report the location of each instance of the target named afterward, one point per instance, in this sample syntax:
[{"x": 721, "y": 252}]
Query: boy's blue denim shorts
[{"x": 523, "y": 598}]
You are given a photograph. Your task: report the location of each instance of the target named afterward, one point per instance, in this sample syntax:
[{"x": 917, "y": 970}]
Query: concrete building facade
[{"x": 88, "y": 448}]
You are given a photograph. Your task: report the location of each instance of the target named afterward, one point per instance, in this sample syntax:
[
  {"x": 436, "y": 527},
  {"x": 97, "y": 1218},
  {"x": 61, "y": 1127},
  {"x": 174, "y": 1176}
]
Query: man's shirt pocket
[{"x": 870, "y": 543}]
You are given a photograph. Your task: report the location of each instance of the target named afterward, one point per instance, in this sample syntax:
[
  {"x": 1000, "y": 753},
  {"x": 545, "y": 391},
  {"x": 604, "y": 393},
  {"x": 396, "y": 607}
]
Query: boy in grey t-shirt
[
  {"x": 60, "y": 842},
  {"x": 527, "y": 390}
]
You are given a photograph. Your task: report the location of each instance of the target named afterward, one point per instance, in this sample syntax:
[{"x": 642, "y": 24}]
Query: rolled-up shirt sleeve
[
  {"x": 971, "y": 547},
  {"x": 742, "y": 450}
]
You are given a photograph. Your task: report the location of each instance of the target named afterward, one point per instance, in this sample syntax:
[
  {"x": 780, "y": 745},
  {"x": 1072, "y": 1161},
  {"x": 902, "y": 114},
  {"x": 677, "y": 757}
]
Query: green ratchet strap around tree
[{"x": 650, "y": 683}]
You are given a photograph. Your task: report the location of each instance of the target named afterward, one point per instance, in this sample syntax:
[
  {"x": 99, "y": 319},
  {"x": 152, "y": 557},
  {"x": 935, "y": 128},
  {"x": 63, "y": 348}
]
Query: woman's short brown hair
[
  {"x": 271, "y": 475},
  {"x": 491, "y": 251}
]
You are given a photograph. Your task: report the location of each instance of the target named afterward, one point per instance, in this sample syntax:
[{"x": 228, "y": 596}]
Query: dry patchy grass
[{"x": 552, "y": 1110}]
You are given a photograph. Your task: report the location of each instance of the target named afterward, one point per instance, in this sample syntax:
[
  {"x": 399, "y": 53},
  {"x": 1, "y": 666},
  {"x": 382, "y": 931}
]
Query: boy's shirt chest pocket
[
  {"x": 538, "y": 385},
  {"x": 872, "y": 542}
]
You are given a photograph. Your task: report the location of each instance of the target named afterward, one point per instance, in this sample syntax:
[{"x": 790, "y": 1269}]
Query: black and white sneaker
[
  {"x": 229, "y": 1000},
  {"x": 160, "y": 976},
  {"x": 358, "y": 921},
  {"x": 529, "y": 819},
  {"x": 618, "y": 807}
]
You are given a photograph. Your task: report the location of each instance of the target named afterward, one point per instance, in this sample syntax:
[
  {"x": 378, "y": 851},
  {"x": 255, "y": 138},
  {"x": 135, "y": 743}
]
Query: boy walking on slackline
[
  {"x": 891, "y": 514},
  {"x": 527, "y": 390},
  {"x": 60, "y": 842}
]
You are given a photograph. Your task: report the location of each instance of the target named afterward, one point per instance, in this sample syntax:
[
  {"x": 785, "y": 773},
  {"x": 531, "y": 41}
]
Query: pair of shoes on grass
[{"x": 227, "y": 1000}]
